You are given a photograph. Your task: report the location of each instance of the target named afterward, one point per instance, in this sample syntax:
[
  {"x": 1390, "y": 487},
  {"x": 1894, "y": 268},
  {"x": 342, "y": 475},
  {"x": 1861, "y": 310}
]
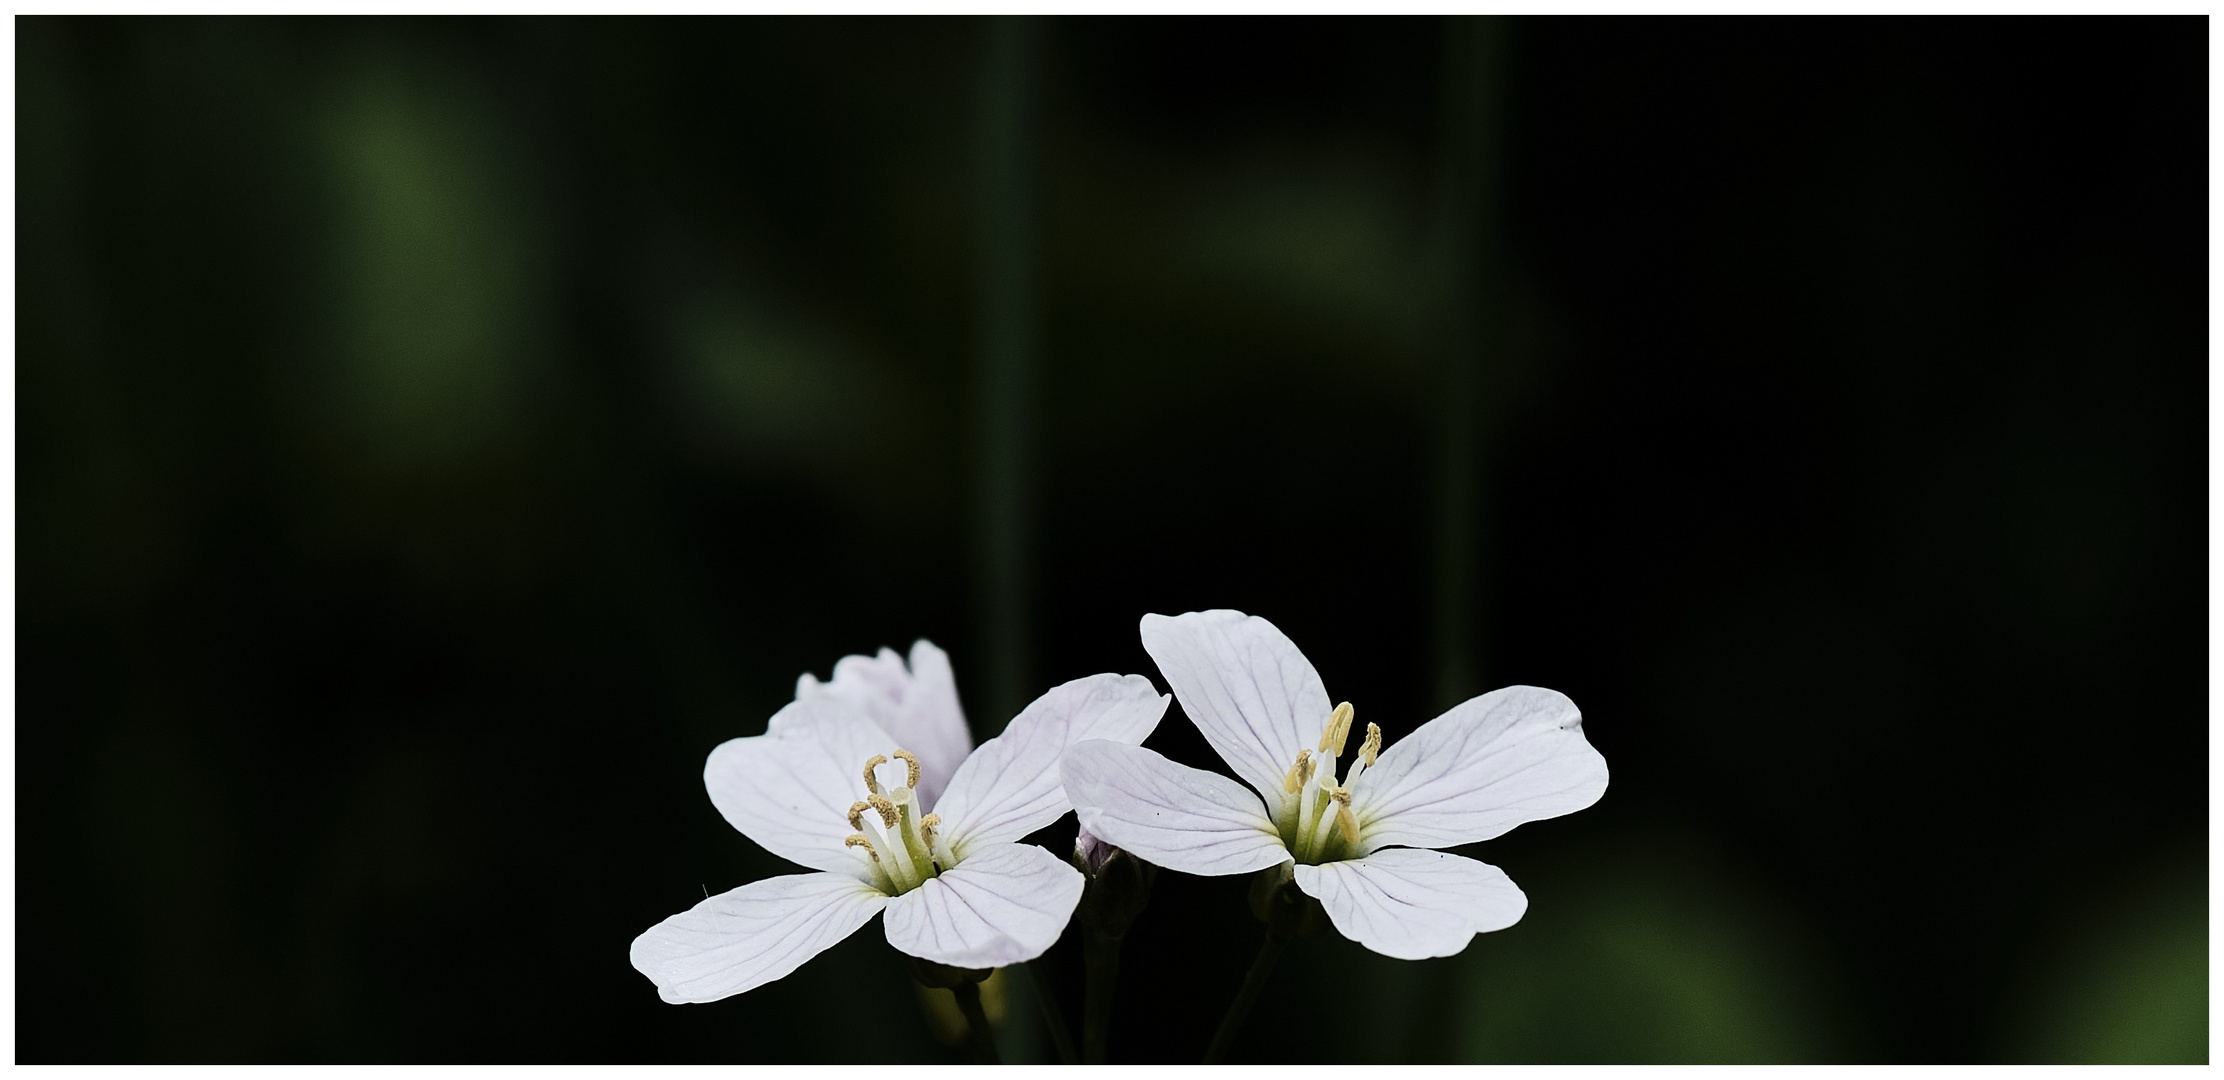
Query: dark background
[{"x": 435, "y": 436}]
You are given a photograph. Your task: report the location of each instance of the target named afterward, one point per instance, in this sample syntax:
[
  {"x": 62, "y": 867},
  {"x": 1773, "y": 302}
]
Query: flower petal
[
  {"x": 1413, "y": 904},
  {"x": 790, "y": 789},
  {"x": 918, "y": 706},
  {"x": 1010, "y": 786},
  {"x": 1002, "y": 904},
  {"x": 1253, "y": 695},
  {"x": 1180, "y": 818},
  {"x": 745, "y": 938},
  {"x": 1492, "y": 762}
]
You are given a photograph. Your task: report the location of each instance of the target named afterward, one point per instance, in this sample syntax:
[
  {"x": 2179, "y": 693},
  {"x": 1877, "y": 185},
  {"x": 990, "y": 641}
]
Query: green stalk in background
[
  {"x": 1061, "y": 1039},
  {"x": 1239, "y": 1010},
  {"x": 1469, "y": 315},
  {"x": 1006, "y": 329}
]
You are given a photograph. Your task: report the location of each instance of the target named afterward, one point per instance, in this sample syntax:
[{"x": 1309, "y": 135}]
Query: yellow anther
[
  {"x": 911, "y": 767},
  {"x": 1371, "y": 747},
  {"x": 857, "y": 815},
  {"x": 1338, "y": 729},
  {"x": 1344, "y": 820},
  {"x": 872, "y": 783},
  {"x": 926, "y": 828},
  {"x": 887, "y": 809},
  {"x": 858, "y": 840},
  {"x": 1300, "y": 771}
]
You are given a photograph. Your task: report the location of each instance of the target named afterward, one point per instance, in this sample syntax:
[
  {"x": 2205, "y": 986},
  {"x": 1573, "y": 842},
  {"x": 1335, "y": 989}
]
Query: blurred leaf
[
  {"x": 436, "y": 282},
  {"x": 761, "y": 382},
  {"x": 2129, "y": 986},
  {"x": 1337, "y": 247},
  {"x": 1651, "y": 954},
  {"x": 764, "y": 386}
]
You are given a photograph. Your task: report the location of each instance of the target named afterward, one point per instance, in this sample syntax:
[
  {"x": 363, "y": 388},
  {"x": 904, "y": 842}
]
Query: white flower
[
  {"x": 868, "y": 780},
  {"x": 1491, "y": 763}
]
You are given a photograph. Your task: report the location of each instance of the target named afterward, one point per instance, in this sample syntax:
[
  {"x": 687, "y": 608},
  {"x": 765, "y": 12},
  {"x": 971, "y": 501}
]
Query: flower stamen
[
  {"x": 857, "y": 815},
  {"x": 1338, "y": 729},
  {"x": 927, "y": 839},
  {"x": 859, "y": 840},
  {"x": 1372, "y": 746},
  {"x": 1344, "y": 820},
  {"x": 911, "y": 767},
  {"x": 872, "y": 783},
  {"x": 886, "y": 808},
  {"x": 1301, "y": 770}
]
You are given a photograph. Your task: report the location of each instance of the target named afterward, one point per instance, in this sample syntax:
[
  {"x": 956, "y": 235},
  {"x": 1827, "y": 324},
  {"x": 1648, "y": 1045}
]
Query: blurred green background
[{"x": 435, "y": 436}]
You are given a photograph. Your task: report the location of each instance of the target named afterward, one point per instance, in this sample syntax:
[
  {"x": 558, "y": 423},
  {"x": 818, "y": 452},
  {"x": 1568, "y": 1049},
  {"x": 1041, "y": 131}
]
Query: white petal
[
  {"x": 1253, "y": 695},
  {"x": 1413, "y": 904},
  {"x": 1491, "y": 763},
  {"x": 790, "y": 789},
  {"x": 919, "y": 706},
  {"x": 1180, "y": 818},
  {"x": 1010, "y": 786},
  {"x": 743, "y": 939},
  {"x": 1002, "y": 904}
]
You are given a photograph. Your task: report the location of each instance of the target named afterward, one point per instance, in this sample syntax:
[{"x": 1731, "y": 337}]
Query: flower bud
[
  {"x": 1118, "y": 889},
  {"x": 1090, "y": 854}
]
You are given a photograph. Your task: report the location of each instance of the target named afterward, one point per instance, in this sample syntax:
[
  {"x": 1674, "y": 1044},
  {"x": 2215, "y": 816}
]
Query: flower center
[
  {"x": 901, "y": 847},
  {"x": 1315, "y": 817}
]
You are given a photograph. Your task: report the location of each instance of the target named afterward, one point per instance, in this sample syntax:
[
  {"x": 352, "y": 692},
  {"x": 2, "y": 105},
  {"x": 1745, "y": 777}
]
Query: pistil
[{"x": 907, "y": 827}]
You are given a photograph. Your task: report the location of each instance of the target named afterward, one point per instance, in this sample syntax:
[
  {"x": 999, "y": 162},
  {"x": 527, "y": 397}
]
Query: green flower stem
[
  {"x": 1240, "y": 1009},
  {"x": 984, "y": 1040},
  {"x": 1101, "y": 952},
  {"x": 1061, "y": 1039}
]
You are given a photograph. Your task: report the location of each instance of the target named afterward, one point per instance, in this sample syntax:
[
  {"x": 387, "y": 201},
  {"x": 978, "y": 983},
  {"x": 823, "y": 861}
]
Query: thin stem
[
  {"x": 984, "y": 1040},
  {"x": 1102, "y": 955},
  {"x": 1240, "y": 1009},
  {"x": 1060, "y": 1038}
]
